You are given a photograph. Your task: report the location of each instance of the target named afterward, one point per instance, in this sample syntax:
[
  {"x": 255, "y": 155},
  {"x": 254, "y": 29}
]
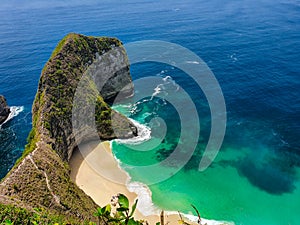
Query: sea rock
[
  {"x": 71, "y": 67},
  {"x": 41, "y": 177},
  {"x": 4, "y": 109}
]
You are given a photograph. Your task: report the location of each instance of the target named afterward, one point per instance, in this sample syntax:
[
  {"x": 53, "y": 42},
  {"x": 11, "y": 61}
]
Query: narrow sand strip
[{"x": 95, "y": 170}]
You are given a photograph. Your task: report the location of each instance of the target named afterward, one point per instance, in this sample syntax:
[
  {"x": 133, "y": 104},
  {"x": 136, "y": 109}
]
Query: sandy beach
[{"x": 95, "y": 170}]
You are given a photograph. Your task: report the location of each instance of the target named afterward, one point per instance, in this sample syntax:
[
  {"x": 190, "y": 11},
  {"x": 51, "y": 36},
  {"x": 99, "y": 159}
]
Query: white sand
[{"x": 95, "y": 170}]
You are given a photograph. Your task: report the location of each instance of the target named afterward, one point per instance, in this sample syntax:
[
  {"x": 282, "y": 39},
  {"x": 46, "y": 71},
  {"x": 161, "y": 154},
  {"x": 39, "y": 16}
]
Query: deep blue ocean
[{"x": 253, "y": 49}]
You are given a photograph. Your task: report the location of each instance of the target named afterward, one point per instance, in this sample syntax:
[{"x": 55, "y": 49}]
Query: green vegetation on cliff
[
  {"x": 59, "y": 81},
  {"x": 41, "y": 177},
  {"x": 12, "y": 215}
]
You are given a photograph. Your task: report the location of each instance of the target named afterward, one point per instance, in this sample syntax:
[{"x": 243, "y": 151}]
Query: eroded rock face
[
  {"x": 42, "y": 176},
  {"x": 101, "y": 68},
  {"x": 4, "y": 109}
]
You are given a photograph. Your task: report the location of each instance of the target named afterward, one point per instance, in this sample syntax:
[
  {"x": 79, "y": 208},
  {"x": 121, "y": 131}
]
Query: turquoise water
[
  {"x": 252, "y": 47},
  {"x": 250, "y": 182}
]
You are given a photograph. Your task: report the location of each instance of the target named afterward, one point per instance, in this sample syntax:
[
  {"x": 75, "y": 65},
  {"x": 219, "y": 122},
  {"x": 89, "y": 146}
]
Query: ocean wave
[
  {"x": 135, "y": 107},
  {"x": 206, "y": 221},
  {"x": 168, "y": 85},
  {"x": 233, "y": 57},
  {"x": 192, "y": 62},
  {"x": 144, "y": 134},
  {"x": 144, "y": 195},
  {"x": 157, "y": 90},
  {"x": 14, "y": 111},
  {"x": 162, "y": 72},
  {"x": 147, "y": 207},
  {"x": 143, "y": 192}
]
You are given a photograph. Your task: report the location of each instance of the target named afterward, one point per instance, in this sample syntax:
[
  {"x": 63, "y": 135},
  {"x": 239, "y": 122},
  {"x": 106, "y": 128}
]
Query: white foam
[
  {"x": 144, "y": 195},
  {"x": 157, "y": 90},
  {"x": 134, "y": 107},
  {"x": 162, "y": 72},
  {"x": 233, "y": 57},
  {"x": 14, "y": 111},
  {"x": 144, "y": 134},
  {"x": 206, "y": 221},
  {"x": 192, "y": 62},
  {"x": 169, "y": 80},
  {"x": 163, "y": 88},
  {"x": 147, "y": 208},
  {"x": 166, "y": 78}
]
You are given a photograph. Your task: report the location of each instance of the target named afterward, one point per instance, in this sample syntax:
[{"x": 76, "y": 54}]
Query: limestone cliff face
[
  {"x": 4, "y": 109},
  {"x": 60, "y": 79},
  {"x": 41, "y": 177}
]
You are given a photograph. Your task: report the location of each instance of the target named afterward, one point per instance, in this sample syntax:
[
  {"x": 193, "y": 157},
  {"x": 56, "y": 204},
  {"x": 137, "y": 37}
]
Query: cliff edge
[
  {"x": 4, "y": 109},
  {"x": 41, "y": 177}
]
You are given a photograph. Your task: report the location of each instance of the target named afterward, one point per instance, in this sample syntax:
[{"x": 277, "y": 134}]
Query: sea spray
[
  {"x": 147, "y": 207},
  {"x": 14, "y": 111},
  {"x": 145, "y": 204},
  {"x": 144, "y": 134}
]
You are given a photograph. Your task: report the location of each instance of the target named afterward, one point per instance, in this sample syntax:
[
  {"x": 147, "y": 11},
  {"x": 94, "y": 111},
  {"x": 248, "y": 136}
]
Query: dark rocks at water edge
[{"x": 4, "y": 109}]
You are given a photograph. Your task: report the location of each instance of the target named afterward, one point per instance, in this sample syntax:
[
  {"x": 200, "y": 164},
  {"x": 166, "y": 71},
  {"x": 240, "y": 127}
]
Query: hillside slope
[{"x": 40, "y": 178}]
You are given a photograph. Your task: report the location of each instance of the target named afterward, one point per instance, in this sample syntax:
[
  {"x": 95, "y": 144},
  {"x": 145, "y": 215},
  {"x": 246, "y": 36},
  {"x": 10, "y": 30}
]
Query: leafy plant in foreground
[
  {"x": 181, "y": 221},
  {"x": 122, "y": 214}
]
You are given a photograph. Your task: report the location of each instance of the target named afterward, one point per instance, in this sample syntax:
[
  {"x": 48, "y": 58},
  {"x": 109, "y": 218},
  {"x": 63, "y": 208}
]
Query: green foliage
[
  {"x": 52, "y": 114},
  {"x": 12, "y": 215},
  {"x": 47, "y": 125},
  {"x": 32, "y": 138},
  {"x": 60, "y": 45},
  {"x": 122, "y": 215}
]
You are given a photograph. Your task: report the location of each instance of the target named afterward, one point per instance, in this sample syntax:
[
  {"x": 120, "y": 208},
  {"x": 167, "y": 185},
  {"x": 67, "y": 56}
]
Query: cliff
[
  {"x": 40, "y": 178},
  {"x": 4, "y": 109}
]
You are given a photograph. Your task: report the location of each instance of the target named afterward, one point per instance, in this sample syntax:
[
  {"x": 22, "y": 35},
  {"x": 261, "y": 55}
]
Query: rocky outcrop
[
  {"x": 41, "y": 177},
  {"x": 4, "y": 109},
  {"x": 70, "y": 65}
]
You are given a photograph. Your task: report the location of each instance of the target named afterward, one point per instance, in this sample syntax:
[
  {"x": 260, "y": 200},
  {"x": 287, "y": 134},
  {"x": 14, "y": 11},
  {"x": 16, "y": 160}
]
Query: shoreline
[
  {"x": 97, "y": 172},
  {"x": 15, "y": 111}
]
